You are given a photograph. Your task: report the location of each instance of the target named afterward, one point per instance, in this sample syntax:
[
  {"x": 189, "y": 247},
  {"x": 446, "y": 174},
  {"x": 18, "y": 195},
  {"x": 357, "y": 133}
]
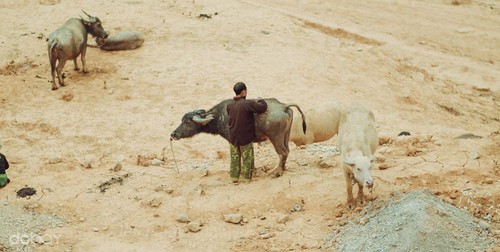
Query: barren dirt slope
[{"x": 428, "y": 67}]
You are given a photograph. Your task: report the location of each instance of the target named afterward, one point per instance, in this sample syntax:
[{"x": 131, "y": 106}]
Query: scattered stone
[
  {"x": 282, "y": 218},
  {"x": 105, "y": 228},
  {"x": 280, "y": 227},
  {"x": 473, "y": 155},
  {"x": 265, "y": 236},
  {"x": 183, "y": 218},
  {"x": 156, "y": 162},
  {"x": 327, "y": 162},
  {"x": 233, "y": 218},
  {"x": 55, "y": 161},
  {"x": 379, "y": 158},
  {"x": 484, "y": 225},
  {"x": 245, "y": 220},
  {"x": 455, "y": 194},
  {"x": 297, "y": 207},
  {"x": 468, "y": 136},
  {"x": 87, "y": 164},
  {"x": 363, "y": 221},
  {"x": 24, "y": 192},
  {"x": 95, "y": 229},
  {"x": 81, "y": 219},
  {"x": 302, "y": 163},
  {"x": 481, "y": 89},
  {"x": 383, "y": 166},
  {"x": 194, "y": 226},
  {"x": 39, "y": 240},
  {"x": 464, "y": 30},
  {"x": 404, "y": 133}
]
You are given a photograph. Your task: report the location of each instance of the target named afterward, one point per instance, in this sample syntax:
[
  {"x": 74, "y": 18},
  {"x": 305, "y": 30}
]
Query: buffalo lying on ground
[
  {"x": 274, "y": 124},
  {"x": 70, "y": 41},
  {"x": 357, "y": 141},
  {"x": 126, "y": 40}
]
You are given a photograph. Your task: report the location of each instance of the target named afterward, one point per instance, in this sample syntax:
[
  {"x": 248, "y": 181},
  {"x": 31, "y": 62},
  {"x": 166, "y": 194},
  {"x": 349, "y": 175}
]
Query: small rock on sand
[{"x": 233, "y": 218}]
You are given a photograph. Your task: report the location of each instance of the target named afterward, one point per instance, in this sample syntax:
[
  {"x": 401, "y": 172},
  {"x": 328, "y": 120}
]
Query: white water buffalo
[
  {"x": 274, "y": 124},
  {"x": 69, "y": 42},
  {"x": 322, "y": 124},
  {"x": 126, "y": 40},
  {"x": 357, "y": 141}
]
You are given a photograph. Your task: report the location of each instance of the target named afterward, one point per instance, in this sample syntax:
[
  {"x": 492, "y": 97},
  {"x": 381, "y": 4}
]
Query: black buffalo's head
[
  {"x": 192, "y": 123},
  {"x": 94, "y": 26}
]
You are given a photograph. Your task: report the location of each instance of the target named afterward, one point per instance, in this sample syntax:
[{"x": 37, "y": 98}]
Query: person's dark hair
[{"x": 239, "y": 87}]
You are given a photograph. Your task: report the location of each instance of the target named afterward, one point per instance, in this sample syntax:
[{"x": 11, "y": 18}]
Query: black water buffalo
[
  {"x": 69, "y": 41},
  {"x": 126, "y": 40},
  {"x": 274, "y": 124}
]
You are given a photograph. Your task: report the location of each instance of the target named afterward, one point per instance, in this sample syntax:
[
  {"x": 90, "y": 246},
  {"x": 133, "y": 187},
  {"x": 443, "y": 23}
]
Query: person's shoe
[
  {"x": 8, "y": 180},
  {"x": 234, "y": 180},
  {"x": 247, "y": 180}
]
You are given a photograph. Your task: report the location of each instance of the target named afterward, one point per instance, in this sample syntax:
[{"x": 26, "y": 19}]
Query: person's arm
[{"x": 257, "y": 106}]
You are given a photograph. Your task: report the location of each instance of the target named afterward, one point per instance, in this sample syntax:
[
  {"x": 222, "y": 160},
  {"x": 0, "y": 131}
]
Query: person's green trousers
[
  {"x": 242, "y": 160},
  {"x": 4, "y": 180}
]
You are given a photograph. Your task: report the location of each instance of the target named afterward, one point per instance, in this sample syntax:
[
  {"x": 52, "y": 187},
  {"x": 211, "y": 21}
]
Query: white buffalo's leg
[
  {"x": 348, "y": 181},
  {"x": 361, "y": 196}
]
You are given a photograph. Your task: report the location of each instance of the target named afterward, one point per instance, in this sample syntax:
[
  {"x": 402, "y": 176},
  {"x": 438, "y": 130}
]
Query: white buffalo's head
[{"x": 361, "y": 166}]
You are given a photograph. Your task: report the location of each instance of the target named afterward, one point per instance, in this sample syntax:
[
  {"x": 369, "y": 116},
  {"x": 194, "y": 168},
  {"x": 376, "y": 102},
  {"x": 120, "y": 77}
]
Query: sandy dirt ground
[{"x": 98, "y": 150}]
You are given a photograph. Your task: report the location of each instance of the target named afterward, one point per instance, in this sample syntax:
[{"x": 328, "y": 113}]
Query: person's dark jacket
[
  {"x": 4, "y": 164},
  {"x": 241, "y": 119}
]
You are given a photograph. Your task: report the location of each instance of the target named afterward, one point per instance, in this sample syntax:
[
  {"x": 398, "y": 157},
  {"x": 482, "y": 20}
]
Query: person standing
[
  {"x": 4, "y": 165},
  {"x": 242, "y": 132}
]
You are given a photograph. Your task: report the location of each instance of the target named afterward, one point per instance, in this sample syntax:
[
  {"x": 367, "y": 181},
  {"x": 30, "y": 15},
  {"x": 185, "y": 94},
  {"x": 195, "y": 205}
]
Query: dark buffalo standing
[
  {"x": 126, "y": 40},
  {"x": 69, "y": 41},
  {"x": 274, "y": 124}
]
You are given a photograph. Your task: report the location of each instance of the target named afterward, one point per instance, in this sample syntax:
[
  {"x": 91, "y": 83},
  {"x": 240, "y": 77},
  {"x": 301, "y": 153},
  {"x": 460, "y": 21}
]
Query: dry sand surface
[{"x": 98, "y": 151}]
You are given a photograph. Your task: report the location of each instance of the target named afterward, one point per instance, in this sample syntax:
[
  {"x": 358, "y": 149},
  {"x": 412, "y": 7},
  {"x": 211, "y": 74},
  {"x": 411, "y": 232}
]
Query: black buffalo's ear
[{"x": 200, "y": 112}]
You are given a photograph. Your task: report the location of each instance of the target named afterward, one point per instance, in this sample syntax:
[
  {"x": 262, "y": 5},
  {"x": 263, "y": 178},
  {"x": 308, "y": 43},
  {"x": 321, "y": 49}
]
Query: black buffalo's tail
[{"x": 304, "y": 126}]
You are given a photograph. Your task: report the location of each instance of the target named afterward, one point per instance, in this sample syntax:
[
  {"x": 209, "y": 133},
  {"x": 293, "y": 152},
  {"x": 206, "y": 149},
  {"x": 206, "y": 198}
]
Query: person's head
[{"x": 240, "y": 89}]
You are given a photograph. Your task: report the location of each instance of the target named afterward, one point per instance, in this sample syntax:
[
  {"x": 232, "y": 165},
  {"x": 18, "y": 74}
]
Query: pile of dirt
[{"x": 418, "y": 221}]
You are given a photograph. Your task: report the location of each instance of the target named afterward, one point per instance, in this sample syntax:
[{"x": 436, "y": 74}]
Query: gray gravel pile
[
  {"x": 418, "y": 221},
  {"x": 22, "y": 229}
]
